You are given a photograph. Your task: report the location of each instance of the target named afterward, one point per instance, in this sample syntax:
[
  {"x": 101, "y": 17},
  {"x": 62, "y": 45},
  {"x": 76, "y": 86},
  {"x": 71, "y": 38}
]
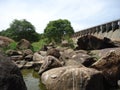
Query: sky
[{"x": 81, "y": 13}]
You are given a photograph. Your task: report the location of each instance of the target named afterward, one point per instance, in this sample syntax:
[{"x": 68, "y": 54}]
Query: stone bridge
[{"x": 110, "y": 30}]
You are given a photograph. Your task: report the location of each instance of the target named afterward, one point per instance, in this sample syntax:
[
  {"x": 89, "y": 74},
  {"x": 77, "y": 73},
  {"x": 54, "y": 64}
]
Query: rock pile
[{"x": 62, "y": 68}]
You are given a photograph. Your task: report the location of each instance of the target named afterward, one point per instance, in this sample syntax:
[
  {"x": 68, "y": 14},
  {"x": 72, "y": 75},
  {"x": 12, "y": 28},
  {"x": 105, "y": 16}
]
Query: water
[{"x": 32, "y": 80}]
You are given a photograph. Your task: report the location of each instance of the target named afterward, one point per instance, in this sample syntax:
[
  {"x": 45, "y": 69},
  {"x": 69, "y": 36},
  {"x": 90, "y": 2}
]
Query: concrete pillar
[
  {"x": 119, "y": 23},
  {"x": 103, "y": 28},
  {"x": 98, "y": 29},
  {"x": 115, "y": 25},
  {"x": 108, "y": 27}
]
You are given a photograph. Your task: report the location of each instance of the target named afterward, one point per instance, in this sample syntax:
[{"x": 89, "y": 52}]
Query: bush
[{"x": 38, "y": 45}]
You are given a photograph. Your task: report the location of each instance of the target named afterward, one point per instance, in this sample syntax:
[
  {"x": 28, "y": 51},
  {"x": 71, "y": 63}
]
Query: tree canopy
[
  {"x": 57, "y": 30},
  {"x": 20, "y": 29}
]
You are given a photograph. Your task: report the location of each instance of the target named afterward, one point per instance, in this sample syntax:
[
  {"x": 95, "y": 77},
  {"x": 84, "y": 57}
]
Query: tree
[
  {"x": 58, "y": 30},
  {"x": 20, "y": 29}
]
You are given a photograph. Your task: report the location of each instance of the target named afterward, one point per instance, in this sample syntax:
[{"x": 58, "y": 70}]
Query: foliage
[
  {"x": 57, "y": 30},
  {"x": 11, "y": 46},
  {"x": 38, "y": 45},
  {"x": 20, "y": 29}
]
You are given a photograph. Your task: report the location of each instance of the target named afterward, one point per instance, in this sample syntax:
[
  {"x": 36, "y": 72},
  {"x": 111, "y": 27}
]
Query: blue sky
[{"x": 81, "y": 13}]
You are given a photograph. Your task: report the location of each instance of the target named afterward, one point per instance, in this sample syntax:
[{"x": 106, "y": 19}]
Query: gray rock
[
  {"x": 110, "y": 67},
  {"x": 10, "y": 75},
  {"x": 73, "y": 78}
]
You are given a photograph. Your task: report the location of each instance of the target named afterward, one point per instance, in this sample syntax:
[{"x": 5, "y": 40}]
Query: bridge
[{"x": 110, "y": 30}]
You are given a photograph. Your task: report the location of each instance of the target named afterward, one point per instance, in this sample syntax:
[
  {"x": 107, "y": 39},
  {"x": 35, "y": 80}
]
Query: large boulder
[
  {"x": 110, "y": 67},
  {"x": 10, "y": 75},
  {"x": 50, "y": 62},
  {"x": 23, "y": 44},
  {"x": 90, "y": 42},
  {"x": 84, "y": 59},
  {"x": 5, "y": 41},
  {"x": 73, "y": 78},
  {"x": 102, "y": 52},
  {"x": 53, "y": 52}
]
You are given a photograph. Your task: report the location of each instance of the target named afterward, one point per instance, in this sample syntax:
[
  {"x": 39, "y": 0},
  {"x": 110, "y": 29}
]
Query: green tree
[
  {"x": 58, "y": 30},
  {"x": 20, "y": 29}
]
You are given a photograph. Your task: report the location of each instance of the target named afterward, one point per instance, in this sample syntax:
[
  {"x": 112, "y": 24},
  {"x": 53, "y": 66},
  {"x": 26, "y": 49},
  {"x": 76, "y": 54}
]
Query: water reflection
[{"x": 32, "y": 80}]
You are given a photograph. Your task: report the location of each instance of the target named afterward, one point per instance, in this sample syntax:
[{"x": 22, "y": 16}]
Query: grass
[{"x": 38, "y": 45}]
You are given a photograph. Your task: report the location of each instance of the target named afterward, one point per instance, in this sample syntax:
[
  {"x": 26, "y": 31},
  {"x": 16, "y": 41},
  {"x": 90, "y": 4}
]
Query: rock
[
  {"x": 100, "y": 53},
  {"x": 71, "y": 62},
  {"x": 81, "y": 51},
  {"x": 13, "y": 52},
  {"x": 23, "y": 44},
  {"x": 53, "y": 52},
  {"x": 90, "y": 42},
  {"x": 49, "y": 62},
  {"x": 5, "y": 41},
  {"x": 73, "y": 78},
  {"x": 16, "y": 58},
  {"x": 20, "y": 64},
  {"x": 37, "y": 57},
  {"x": 67, "y": 54},
  {"x": 10, "y": 75},
  {"x": 84, "y": 59},
  {"x": 27, "y": 52},
  {"x": 65, "y": 43},
  {"x": 110, "y": 67},
  {"x": 28, "y": 65},
  {"x": 28, "y": 57},
  {"x": 43, "y": 53}
]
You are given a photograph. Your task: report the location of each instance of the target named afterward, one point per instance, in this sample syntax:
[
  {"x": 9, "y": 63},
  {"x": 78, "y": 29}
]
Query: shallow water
[{"x": 32, "y": 80}]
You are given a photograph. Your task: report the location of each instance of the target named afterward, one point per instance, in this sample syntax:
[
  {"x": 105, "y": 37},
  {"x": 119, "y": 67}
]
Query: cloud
[{"x": 81, "y": 13}]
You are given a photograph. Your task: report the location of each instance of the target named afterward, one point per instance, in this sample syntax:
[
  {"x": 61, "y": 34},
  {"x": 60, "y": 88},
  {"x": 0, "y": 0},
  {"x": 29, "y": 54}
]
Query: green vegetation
[
  {"x": 57, "y": 30},
  {"x": 21, "y": 29},
  {"x": 11, "y": 46},
  {"x": 38, "y": 45}
]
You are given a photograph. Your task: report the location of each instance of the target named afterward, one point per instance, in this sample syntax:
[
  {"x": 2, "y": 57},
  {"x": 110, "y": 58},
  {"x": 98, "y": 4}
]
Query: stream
[{"x": 32, "y": 80}]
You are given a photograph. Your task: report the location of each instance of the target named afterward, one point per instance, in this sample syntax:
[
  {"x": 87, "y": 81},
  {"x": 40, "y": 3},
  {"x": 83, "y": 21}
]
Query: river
[{"x": 32, "y": 80}]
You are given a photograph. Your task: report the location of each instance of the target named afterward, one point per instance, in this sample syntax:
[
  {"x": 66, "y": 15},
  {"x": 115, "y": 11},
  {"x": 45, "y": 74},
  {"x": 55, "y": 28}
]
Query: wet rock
[
  {"x": 110, "y": 67},
  {"x": 73, "y": 78},
  {"x": 10, "y": 75}
]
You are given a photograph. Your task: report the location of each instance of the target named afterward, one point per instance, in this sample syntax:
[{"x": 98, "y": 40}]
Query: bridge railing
[{"x": 103, "y": 28}]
